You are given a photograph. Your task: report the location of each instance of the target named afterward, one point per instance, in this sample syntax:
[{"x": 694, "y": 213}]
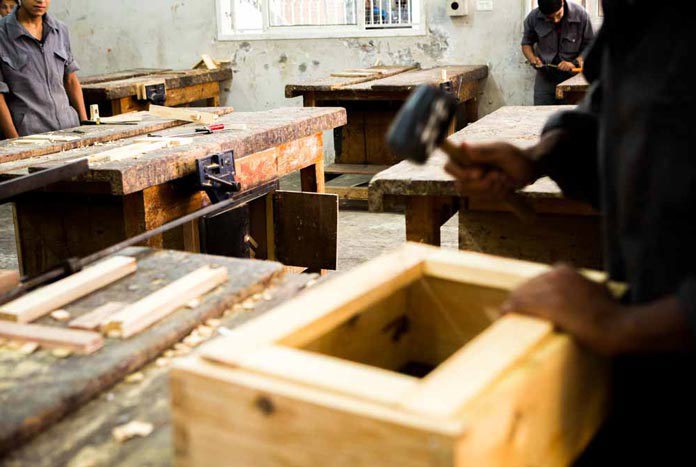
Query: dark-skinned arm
[
  {"x": 74, "y": 91},
  {"x": 6, "y": 124}
]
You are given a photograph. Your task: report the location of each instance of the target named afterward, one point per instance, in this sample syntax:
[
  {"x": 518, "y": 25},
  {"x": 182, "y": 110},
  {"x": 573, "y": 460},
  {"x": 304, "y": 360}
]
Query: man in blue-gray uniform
[
  {"x": 39, "y": 89},
  {"x": 555, "y": 36}
]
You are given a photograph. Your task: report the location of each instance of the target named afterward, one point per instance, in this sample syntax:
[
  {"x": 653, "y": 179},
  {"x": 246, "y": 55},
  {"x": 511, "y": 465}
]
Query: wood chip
[
  {"x": 61, "y": 353},
  {"x": 61, "y": 315},
  {"x": 162, "y": 362},
  {"x": 134, "y": 377},
  {"x": 248, "y": 305},
  {"x": 195, "y": 303},
  {"x": 29, "y": 348},
  {"x": 132, "y": 430},
  {"x": 194, "y": 340},
  {"x": 213, "y": 323},
  {"x": 205, "y": 331},
  {"x": 168, "y": 353}
]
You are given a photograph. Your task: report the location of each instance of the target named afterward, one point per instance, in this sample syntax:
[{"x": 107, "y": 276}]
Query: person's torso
[
  {"x": 35, "y": 72},
  {"x": 563, "y": 41}
]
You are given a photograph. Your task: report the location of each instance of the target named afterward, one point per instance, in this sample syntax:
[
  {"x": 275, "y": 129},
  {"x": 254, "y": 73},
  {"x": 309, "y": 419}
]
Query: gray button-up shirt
[
  {"x": 575, "y": 36},
  {"x": 32, "y": 76}
]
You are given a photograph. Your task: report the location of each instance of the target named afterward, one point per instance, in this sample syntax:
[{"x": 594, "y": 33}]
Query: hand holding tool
[
  {"x": 548, "y": 65},
  {"x": 421, "y": 127}
]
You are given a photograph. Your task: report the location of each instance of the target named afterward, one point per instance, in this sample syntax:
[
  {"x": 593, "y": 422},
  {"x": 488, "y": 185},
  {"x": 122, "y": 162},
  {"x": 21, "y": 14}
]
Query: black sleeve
[{"x": 530, "y": 36}]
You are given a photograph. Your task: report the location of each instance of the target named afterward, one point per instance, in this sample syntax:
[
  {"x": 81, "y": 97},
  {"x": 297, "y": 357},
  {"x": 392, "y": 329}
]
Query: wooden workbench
[
  {"x": 116, "y": 93},
  {"x": 39, "y": 389},
  {"x": 565, "y": 229},
  {"x": 88, "y": 135},
  {"x": 372, "y": 104},
  {"x": 117, "y": 200},
  {"x": 573, "y": 90}
]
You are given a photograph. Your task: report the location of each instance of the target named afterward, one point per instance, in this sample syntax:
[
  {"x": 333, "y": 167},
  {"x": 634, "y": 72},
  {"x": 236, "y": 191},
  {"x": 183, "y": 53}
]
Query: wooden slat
[
  {"x": 83, "y": 342},
  {"x": 119, "y": 75},
  {"x": 332, "y": 83},
  {"x": 151, "y": 309},
  {"x": 356, "y": 169},
  {"x": 93, "y": 320},
  {"x": 185, "y": 114},
  {"x": 42, "y": 301},
  {"x": 408, "y": 81}
]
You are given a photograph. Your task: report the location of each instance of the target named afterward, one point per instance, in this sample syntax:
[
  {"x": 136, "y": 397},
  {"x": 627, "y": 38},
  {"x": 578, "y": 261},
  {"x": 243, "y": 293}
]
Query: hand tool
[
  {"x": 548, "y": 65},
  {"x": 421, "y": 126},
  {"x": 93, "y": 122}
]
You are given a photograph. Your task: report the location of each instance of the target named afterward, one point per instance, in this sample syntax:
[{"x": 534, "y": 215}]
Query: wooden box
[{"x": 404, "y": 361}]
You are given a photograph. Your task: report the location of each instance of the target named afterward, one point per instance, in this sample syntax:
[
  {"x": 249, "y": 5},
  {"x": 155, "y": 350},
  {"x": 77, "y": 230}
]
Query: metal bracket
[
  {"x": 216, "y": 176},
  {"x": 154, "y": 92}
]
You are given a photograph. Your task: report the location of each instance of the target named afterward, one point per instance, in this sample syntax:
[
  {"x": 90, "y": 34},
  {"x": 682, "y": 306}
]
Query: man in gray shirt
[
  {"x": 555, "y": 36},
  {"x": 39, "y": 89}
]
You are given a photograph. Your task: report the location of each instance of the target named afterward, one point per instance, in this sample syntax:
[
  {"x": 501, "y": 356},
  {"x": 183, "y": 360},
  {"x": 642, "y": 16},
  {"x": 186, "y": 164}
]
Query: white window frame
[{"x": 226, "y": 33}]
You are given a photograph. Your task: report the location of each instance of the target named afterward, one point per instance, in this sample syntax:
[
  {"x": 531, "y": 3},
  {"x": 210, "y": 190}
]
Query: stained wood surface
[
  {"x": 85, "y": 435},
  {"x": 266, "y": 130},
  {"x": 120, "y": 75},
  {"x": 59, "y": 386},
  {"x": 517, "y": 125},
  {"x": 576, "y": 84},
  {"x": 92, "y": 134},
  {"x": 331, "y": 83},
  {"x": 110, "y": 90}
]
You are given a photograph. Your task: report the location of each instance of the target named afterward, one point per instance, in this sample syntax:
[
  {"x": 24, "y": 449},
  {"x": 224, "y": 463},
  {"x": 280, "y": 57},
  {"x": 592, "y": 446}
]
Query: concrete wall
[{"x": 112, "y": 35}]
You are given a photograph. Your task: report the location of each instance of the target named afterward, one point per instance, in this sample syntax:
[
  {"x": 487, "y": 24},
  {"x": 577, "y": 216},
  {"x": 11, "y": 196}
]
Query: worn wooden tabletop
[
  {"x": 396, "y": 80},
  {"x": 38, "y": 389},
  {"x": 517, "y": 125},
  {"x": 88, "y": 135},
  {"x": 265, "y": 130},
  {"x": 99, "y": 89},
  {"x": 576, "y": 84}
]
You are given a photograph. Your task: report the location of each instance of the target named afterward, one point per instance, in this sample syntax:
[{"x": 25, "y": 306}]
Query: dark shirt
[
  {"x": 630, "y": 152},
  {"x": 32, "y": 75},
  {"x": 563, "y": 42}
]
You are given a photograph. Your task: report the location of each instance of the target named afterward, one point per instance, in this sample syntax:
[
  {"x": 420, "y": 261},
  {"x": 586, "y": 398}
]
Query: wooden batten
[
  {"x": 144, "y": 313},
  {"x": 51, "y": 297},
  {"x": 93, "y": 320},
  {"x": 184, "y": 114},
  {"x": 83, "y": 342}
]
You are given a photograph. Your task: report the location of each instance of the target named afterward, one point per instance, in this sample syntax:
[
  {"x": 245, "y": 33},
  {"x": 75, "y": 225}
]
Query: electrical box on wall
[{"x": 457, "y": 7}]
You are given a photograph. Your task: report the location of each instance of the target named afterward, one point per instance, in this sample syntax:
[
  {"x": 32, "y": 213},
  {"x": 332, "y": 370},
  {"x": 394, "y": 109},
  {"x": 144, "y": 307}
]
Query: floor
[{"x": 361, "y": 236}]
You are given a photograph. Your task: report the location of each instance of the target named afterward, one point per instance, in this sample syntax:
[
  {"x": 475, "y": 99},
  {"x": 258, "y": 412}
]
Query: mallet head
[{"x": 421, "y": 125}]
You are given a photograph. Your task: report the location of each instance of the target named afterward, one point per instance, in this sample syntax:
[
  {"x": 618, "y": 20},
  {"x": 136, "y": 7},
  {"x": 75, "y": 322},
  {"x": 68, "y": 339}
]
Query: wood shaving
[
  {"x": 61, "y": 315},
  {"x": 131, "y": 430},
  {"x": 29, "y": 348},
  {"x": 267, "y": 296},
  {"x": 169, "y": 353},
  {"x": 162, "y": 362},
  {"x": 248, "y": 305},
  {"x": 195, "y": 303},
  {"x": 213, "y": 323},
  {"x": 194, "y": 340},
  {"x": 134, "y": 378},
  {"x": 61, "y": 353},
  {"x": 205, "y": 331}
]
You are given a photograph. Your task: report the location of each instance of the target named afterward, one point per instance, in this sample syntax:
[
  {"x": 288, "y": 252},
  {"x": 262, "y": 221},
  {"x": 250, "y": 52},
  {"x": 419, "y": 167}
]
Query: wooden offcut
[
  {"x": 93, "y": 320},
  {"x": 51, "y": 297},
  {"x": 144, "y": 313},
  {"x": 184, "y": 114},
  {"x": 83, "y": 342},
  {"x": 402, "y": 361}
]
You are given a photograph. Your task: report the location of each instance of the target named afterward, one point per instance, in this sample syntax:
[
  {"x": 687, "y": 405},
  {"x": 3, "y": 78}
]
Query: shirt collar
[{"x": 16, "y": 30}]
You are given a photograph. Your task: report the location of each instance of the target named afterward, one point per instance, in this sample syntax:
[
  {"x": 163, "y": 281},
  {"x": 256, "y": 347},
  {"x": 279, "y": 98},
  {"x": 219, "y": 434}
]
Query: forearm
[
  {"x": 74, "y": 90},
  {"x": 6, "y": 124},
  {"x": 528, "y": 52},
  {"x": 661, "y": 326}
]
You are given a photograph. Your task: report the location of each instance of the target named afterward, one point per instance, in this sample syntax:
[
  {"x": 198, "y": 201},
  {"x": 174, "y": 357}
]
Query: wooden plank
[
  {"x": 94, "y": 319},
  {"x": 88, "y": 136},
  {"x": 142, "y": 314},
  {"x": 188, "y": 115},
  {"x": 332, "y": 83},
  {"x": 119, "y": 75},
  {"x": 8, "y": 280},
  {"x": 576, "y": 85},
  {"x": 348, "y": 193},
  {"x": 51, "y": 297},
  {"x": 358, "y": 169},
  {"x": 139, "y": 147},
  {"x": 306, "y": 229},
  {"x": 26, "y": 413},
  {"x": 412, "y": 79},
  {"x": 82, "y": 342}
]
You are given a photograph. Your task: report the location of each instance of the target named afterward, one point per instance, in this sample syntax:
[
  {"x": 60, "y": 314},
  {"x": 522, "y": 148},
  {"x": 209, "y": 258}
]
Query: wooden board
[
  {"x": 120, "y": 75},
  {"x": 42, "y": 301},
  {"x": 82, "y": 342},
  {"x": 183, "y": 114},
  {"x": 26, "y": 413},
  {"x": 266, "y": 130},
  {"x": 410, "y": 80},
  {"x": 91, "y": 134},
  {"x": 332, "y": 83},
  {"x": 85, "y": 435},
  {"x": 577, "y": 85},
  {"x": 306, "y": 229},
  {"x": 110, "y": 90}
]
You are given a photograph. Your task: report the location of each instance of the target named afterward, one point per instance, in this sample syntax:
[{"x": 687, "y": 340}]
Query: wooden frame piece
[
  {"x": 94, "y": 319},
  {"x": 40, "y": 302},
  {"x": 500, "y": 399},
  {"x": 83, "y": 342},
  {"x": 144, "y": 313}
]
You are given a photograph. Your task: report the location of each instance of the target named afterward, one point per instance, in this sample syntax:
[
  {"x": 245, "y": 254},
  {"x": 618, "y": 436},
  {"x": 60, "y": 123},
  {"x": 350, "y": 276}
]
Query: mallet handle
[{"x": 520, "y": 206}]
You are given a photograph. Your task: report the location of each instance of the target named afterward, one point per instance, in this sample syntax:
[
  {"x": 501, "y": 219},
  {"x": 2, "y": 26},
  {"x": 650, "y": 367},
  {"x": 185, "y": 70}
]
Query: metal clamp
[{"x": 216, "y": 176}]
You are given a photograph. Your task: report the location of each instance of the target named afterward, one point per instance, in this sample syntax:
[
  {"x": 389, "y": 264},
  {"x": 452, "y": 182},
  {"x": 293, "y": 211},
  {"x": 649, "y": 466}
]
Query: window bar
[
  {"x": 372, "y": 12},
  {"x": 389, "y": 12},
  {"x": 399, "y": 7},
  {"x": 381, "y": 11}
]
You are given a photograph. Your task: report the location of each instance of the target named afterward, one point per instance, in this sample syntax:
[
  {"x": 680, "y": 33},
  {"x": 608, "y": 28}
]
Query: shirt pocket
[
  {"x": 60, "y": 63},
  {"x": 14, "y": 72},
  {"x": 570, "y": 43}
]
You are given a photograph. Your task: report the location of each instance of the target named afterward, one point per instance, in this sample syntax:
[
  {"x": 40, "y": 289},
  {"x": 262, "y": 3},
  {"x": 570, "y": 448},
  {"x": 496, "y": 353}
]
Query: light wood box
[{"x": 320, "y": 380}]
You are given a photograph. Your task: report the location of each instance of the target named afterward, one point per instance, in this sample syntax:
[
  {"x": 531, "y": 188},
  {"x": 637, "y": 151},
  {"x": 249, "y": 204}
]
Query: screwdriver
[{"x": 206, "y": 130}]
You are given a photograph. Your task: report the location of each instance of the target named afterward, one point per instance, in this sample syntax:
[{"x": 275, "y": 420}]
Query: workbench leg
[
  {"x": 213, "y": 101},
  {"x": 313, "y": 178},
  {"x": 425, "y": 215},
  {"x": 471, "y": 110},
  {"x": 262, "y": 228}
]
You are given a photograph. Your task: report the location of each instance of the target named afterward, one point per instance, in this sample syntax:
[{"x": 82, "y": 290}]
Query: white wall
[{"x": 110, "y": 35}]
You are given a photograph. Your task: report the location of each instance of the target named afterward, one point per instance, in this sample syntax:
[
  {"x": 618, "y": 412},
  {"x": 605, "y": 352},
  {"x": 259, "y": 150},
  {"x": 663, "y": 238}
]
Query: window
[{"x": 286, "y": 19}]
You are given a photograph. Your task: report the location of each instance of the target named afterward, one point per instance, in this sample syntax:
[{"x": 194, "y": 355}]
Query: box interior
[{"x": 416, "y": 328}]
